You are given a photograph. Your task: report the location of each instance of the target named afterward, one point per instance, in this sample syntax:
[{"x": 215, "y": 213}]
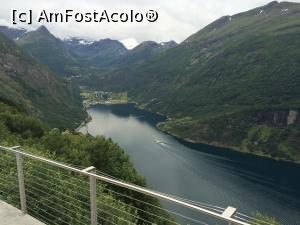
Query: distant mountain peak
[
  {"x": 270, "y": 5},
  {"x": 78, "y": 41},
  {"x": 168, "y": 44},
  {"x": 43, "y": 29},
  {"x": 13, "y": 33},
  {"x": 109, "y": 41},
  {"x": 147, "y": 44}
]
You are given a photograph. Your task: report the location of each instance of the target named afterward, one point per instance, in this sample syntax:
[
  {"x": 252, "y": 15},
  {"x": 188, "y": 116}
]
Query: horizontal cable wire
[
  {"x": 101, "y": 218},
  {"x": 64, "y": 193},
  {"x": 61, "y": 188},
  {"x": 124, "y": 212},
  {"x": 71, "y": 218},
  {"x": 57, "y": 204},
  {"x": 61, "y": 173},
  {"x": 123, "y": 203},
  {"x": 131, "y": 206},
  {"x": 61, "y": 181},
  {"x": 102, "y": 210},
  {"x": 40, "y": 217},
  {"x": 217, "y": 208},
  {"x": 10, "y": 164},
  {"x": 98, "y": 201},
  {"x": 45, "y": 211},
  {"x": 249, "y": 221},
  {"x": 14, "y": 188},
  {"x": 6, "y": 193},
  {"x": 252, "y": 218},
  {"x": 253, "y": 222},
  {"x": 61, "y": 199},
  {"x": 5, "y": 199},
  {"x": 9, "y": 179},
  {"x": 12, "y": 155},
  {"x": 6, "y": 164},
  {"x": 116, "y": 216},
  {"x": 57, "y": 184},
  {"x": 16, "y": 197},
  {"x": 175, "y": 213}
]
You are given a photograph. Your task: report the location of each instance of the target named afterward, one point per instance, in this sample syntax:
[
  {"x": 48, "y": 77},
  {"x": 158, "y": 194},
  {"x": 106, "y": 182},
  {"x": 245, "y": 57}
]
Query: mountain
[
  {"x": 48, "y": 50},
  {"x": 30, "y": 85},
  {"x": 13, "y": 33},
  {"x": 77, "y": 56},
  {"x": 95, "y": 53},
  {"x": 234, "y": 83},
  {"x": 143, "y": 52}
]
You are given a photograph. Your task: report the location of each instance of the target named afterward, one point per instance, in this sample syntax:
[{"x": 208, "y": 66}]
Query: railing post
[
  {"x": 21, "y": 182},
  {"x": 228, "y": 213},
  {"x": 93, "y": 195}
]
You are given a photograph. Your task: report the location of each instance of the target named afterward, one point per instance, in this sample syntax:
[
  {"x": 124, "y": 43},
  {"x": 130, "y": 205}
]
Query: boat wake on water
[{"x": 161, "y": 142}]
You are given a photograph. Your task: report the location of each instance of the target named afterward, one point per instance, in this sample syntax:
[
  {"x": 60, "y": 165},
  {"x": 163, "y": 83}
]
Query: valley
[
  {"x": 224, "y": 85},
  {"x": 214, "y": 118}
]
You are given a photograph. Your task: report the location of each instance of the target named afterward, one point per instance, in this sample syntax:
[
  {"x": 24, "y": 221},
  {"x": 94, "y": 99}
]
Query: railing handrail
[{"x": 224, "y": 216}]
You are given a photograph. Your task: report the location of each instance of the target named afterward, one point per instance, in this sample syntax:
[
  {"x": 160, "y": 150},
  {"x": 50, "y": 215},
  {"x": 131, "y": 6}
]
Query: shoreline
[
  {"x": 229, "y": 148},
  {"x": 216, "y": 144},
  {"x": 85, "y": 122},
  {"x": 191, "y": 141}
]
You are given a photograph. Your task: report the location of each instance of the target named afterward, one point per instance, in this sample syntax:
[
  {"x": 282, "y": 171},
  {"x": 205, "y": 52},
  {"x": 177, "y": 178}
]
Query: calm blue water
[{"x": 199, "y": 172}]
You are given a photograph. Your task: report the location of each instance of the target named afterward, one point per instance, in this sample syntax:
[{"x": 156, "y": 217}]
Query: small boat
[{"x": 158, "y": 141}]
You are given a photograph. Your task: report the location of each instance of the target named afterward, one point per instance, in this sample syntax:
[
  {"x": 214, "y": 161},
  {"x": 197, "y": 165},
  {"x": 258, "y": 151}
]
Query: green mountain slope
[
  {"x": 47, "y": 49},
  {"x": 235, "y": 83},
  {"x": 33, "y": 87}
]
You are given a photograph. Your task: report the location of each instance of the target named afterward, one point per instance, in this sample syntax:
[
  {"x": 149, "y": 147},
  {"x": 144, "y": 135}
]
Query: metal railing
[{"x": 95, "y": 206}]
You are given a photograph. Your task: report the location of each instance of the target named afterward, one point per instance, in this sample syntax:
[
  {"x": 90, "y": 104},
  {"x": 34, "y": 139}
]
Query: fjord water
[{"x": 199, "y": 172}]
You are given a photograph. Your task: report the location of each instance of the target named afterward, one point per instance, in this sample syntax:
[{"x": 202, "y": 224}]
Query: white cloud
[
  {"x": 130, "y": 43},
  {"x": 178, "y": 19}
]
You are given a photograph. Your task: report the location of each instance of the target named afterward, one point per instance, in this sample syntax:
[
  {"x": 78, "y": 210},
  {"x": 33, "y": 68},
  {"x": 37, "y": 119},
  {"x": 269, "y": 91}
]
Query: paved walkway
[{"x": 10, "y": 215}]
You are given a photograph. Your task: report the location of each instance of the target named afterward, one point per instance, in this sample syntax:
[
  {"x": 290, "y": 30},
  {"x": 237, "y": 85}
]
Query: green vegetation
[
  {"x": 47, "y": 49},
  {"x": 37, "y": 90},
  {"x": 242, "y": 132},
  {"x": 235, "y": 83},
  {"x": 262, "y": 219},
  {"x": 18, "y": 128}
]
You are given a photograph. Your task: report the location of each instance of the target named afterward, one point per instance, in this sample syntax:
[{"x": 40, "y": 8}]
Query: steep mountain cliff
[{"x": 35, "y": 88}]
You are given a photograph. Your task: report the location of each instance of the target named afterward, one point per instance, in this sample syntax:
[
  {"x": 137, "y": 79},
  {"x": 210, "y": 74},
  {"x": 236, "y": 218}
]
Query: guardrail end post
[
  {"x": 21, "y": 182},
  {"x": 228, "y": 213},
  {"x": 93, "y": 195}
]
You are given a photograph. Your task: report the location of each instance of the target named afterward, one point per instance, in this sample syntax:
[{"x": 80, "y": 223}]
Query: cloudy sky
[{"x": 177, "y": 20}]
